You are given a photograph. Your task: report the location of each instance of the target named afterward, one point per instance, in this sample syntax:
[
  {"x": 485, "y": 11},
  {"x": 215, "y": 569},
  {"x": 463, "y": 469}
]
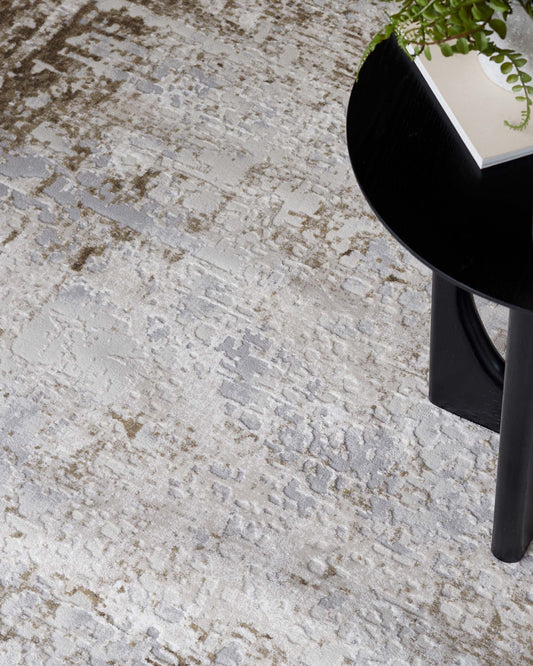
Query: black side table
[{"x": 473, "y": 228}]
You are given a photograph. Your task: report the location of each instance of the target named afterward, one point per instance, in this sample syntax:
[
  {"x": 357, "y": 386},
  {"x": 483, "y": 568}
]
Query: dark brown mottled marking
[
  {"x": 131, "y": 426},
  {"x": 122, "y": 233},
  {"x": 85, "y": 253},
  {"x": 92, "y": 596},
  {"x": 14, "y": 32},
  {"x": 74, "y": 161},
  {"x": 393, "y": 278},
  {"x": 11, "y": 236},
  {"x": 188, "y": 444},
  {"x": 172, "y": 257},
  {"x": 140, "y": 182},
  {"x": 15, "y": 116},
  {"x": 116, "y": 184},
  {"x": 24, "y": 83}
]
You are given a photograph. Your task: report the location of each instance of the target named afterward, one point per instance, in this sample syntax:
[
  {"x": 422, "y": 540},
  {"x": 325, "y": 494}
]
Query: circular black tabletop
[{"x": 472, "y": 225}]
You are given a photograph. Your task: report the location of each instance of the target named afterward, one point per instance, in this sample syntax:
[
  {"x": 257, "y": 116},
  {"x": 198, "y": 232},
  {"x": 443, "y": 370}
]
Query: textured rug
[{"x": 216, "y": 445}]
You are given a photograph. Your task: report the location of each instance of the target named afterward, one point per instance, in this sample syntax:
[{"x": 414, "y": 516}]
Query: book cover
[{"x": 477, "y": 107}]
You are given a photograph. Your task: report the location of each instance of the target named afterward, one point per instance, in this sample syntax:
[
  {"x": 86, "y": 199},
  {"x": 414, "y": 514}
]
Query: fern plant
[{"x": 460, "y": 26}]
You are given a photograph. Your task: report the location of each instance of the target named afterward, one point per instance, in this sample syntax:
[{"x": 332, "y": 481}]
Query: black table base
[
  {"x": 466, "y": 372},
  {"x": 469, "y": 378},
  {"x": 472, "y": 228}
]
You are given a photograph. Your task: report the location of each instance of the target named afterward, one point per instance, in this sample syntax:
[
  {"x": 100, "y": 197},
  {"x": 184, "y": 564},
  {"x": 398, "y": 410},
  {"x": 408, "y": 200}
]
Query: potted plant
[{"x": 500, "y": 31}]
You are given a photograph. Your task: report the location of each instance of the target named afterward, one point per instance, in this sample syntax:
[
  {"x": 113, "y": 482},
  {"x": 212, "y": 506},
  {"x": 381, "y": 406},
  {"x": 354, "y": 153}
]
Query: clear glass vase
[{"x": 519, "y": 38}]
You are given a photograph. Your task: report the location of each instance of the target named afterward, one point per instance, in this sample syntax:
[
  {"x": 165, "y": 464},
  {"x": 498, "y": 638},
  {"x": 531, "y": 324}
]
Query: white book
[{"x": 477, "y": 107}]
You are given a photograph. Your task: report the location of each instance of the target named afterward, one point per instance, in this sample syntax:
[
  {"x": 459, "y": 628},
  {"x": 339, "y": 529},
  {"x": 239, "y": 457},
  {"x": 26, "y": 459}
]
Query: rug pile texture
[{"x": 216, "y": 443}]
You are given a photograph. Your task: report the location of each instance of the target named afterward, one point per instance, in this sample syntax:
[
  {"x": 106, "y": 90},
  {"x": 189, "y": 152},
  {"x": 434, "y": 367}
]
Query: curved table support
[
  {"x": 468, "y": 377},
  {"x": 408, "y": 160},
  {"x": 465, "y": 372}
]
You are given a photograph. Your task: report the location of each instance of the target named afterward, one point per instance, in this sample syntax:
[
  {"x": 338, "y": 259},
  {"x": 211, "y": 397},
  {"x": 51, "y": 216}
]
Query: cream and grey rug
[{"x": 216, "y": 445}]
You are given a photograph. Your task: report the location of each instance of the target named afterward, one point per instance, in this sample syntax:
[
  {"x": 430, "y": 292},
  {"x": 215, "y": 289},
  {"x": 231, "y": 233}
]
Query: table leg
[
  {"x": 465, "y": 372},
  {"x": 513, "y": 512}
]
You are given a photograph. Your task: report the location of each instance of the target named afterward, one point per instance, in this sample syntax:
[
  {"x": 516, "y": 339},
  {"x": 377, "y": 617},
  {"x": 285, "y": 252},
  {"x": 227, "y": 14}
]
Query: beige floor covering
[{"x": 216, "y": 445}]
